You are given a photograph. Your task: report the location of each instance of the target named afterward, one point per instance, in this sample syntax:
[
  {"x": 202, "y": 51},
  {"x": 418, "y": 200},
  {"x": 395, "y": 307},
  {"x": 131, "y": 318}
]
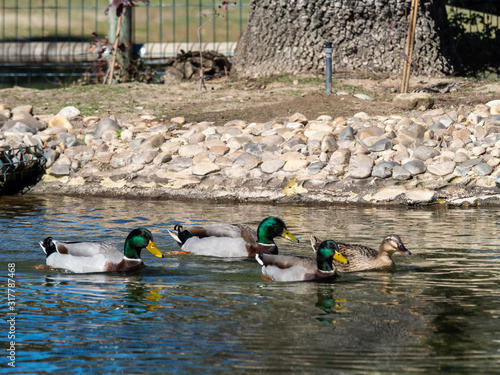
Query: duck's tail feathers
[
  {"x": 181, "y": 236},
  {"x": 174, "y": 236},
  {"x": 315, "y": 241},
  {"x": 258, "y": 257},
  {"x": 48, "y": 246}
]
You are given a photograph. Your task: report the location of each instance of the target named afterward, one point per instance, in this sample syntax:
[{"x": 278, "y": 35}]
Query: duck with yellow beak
[
  {"x": 299, "y": 268},
  {"x": 232, "y": 240},
  {"x": 99, "y": 256}
]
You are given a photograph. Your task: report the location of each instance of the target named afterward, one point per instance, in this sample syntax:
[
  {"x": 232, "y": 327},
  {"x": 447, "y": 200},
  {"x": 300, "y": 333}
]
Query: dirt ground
[{"x": 249, "y": 100}]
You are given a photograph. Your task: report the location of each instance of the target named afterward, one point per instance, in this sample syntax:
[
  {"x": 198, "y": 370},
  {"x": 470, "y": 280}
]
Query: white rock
[{"x": 69, "y": 112}]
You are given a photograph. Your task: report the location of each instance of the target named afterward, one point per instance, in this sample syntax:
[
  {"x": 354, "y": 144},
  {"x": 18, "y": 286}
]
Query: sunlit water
[{"x": 438, "y": 311}]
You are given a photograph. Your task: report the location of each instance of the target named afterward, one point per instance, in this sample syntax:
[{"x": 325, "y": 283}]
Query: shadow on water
[{"x": 437, "y": 311}]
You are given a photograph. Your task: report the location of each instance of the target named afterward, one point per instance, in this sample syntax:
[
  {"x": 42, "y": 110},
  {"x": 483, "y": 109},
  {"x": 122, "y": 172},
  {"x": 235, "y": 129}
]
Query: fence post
[{"x": 124, "y": 37}]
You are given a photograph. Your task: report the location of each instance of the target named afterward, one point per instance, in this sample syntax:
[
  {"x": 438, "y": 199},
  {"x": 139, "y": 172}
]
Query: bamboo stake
[
  {"x": 410, "y": 42},
  {"x": 115, "y": 47}
]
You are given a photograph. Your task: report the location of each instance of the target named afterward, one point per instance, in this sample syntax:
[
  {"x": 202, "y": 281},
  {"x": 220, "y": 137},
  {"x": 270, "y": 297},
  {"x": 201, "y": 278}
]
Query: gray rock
[
  {"x": 244, "y": 158},
  {"x": 74, "y": 141},
  {"x": 162, "y": 128},
  {"x": 29, "y": 120},
  {"x": 180, "y": 163},
  {"x": 51, "y": 156},
  {"x": 145, "y": 157},
  {"x": 382, "y": 145},
  {"x": 254, "y": 148},
  {"x": 154, "y": 141},
  {"x": 80, "y": 152},
  {"x": 27, "y": 108},
  {"x": 60, "y": 170},
  {"x": 413, "y": 100},
  {"x": 466, "y": 166},
  {"x": 415, "y": 167},
  {"x": 163, "y": 157},
  {"x": 315, "y": 168},
  {"x": 483, "y": 169},
  {"x": 360, "y": 166},
  {"x": 292, "y": 142},
  {"x": 136, "y": 143},
  {"x": 383, "y": 169},
  {"x": 271, "y": 166},
  {"x": 203, "y": 169},
  {"x": 442, "y": 168},
  {"x": 3, "y": 119},
  {"x": 414, "y": 131},
  {"x": 196, "y": 138},
  {"x": 437, "y": 125},
  {"x": 107, "y": 124},
  {"x": 399, "y": 173},
  {"x": 340, "y": 157},
  {"x": 420, "y": 196},
  {"x": 187, "y": 150},
  {"x": 121, "y": 160},
  {"x": 295, "y": 165},
  {"x": 497, "y": 181},
  {"x": 363, "y": 96},
  {"x": 347, "y": 134},
  {"x": 329, "y": 143},
  {"x": 423, "y": 153},
  {"x": 274, "y": 139},
  {"x": 20, "y": 127},
  {"x": 69, "y": 112}
]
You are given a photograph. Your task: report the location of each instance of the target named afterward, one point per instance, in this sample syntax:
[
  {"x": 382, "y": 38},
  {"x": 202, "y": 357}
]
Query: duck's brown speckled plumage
[{"x": 366, "y": 258}]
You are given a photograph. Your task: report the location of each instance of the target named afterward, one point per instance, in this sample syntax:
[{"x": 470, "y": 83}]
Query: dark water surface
[{"x": 438, "y": 311}]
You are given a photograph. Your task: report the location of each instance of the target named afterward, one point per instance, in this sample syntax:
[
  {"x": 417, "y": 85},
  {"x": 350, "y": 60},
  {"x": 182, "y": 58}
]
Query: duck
[
  {"x": 300, "y": 268},
  {"x": 363, "y": 258},
  {"x": 99, "y": 256},
  {"x": 232, "y": 240}
]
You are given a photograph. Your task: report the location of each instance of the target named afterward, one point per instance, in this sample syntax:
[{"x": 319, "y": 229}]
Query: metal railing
[
  {"x": 51, "y": 39},
  {"x": 20, "y": 166}
]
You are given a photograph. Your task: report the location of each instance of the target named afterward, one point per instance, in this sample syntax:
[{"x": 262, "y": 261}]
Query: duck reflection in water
[{"x": 328, "y": 304}]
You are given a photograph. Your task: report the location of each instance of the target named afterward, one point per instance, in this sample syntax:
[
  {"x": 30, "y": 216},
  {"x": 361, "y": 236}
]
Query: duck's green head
[
  {"x": 137, "y": 240},
  {"x": 328, "y": 251},
  {"x": 272, "y": 227}
]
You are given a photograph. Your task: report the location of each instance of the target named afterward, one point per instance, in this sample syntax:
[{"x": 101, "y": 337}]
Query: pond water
[{"x": 437, "y": 311}]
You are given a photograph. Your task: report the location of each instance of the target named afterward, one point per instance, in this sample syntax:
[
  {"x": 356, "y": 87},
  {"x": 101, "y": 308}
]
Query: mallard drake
[
  {"x": 365, "y": 258},
  {"x": 232, "y": 240},
  {"x": 99, "y": 256},
  {"x": 299, "y": 268}
]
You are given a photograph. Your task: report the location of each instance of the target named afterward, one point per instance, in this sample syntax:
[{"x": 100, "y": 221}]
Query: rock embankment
[{"x": 441, "y": 156}]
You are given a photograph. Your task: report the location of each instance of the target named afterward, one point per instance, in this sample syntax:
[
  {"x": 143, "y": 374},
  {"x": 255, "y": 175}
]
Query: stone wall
[{"x": 448, "y": 157}]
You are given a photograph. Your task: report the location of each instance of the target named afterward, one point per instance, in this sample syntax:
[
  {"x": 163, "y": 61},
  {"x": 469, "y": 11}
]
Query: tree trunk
[{"x": 289, "y": 36}]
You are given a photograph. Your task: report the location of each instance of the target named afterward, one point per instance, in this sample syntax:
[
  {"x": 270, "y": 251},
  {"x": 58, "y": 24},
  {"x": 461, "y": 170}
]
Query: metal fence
[{"x": 46, "y": 42}]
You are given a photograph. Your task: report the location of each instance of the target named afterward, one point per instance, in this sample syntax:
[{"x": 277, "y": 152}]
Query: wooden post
[
  {"x": 410, "y": 42},
  {"x": 120, "y": 32}
]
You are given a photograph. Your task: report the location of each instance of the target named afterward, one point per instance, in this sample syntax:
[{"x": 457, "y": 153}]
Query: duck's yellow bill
[
  {"x": 339, "y": 257},
  {"x": 286, "y": 234},
  {"x": 154, "y": 250}
]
